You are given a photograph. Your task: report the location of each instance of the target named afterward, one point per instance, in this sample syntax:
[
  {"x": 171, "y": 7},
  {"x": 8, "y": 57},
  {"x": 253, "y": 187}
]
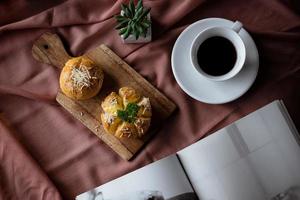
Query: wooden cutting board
[{"x": 49, "y": 49}]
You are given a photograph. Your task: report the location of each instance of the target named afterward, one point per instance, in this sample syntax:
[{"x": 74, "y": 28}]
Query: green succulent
[{"x": 133, "y": 20}]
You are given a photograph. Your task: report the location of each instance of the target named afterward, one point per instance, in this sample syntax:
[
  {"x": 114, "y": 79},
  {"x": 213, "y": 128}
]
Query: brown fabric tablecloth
[{"x": 46, "y": 154}]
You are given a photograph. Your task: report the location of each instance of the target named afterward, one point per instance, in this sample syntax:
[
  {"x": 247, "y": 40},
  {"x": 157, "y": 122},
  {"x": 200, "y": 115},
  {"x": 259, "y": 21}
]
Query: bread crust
[{"x": 81, "y": 78}]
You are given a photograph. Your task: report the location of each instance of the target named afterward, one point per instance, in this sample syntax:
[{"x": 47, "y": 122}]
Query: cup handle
[{"x": 237, "y": 26}]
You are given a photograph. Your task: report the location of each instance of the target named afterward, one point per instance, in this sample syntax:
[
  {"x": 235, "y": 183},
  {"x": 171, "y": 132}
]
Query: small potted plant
[{"x": 134, "y": 23}]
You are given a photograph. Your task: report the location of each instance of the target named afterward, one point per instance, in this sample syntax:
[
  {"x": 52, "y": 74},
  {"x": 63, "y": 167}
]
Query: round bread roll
[
  {"x": 127, "y": 114},
  {"x": 81, "y": 78}
]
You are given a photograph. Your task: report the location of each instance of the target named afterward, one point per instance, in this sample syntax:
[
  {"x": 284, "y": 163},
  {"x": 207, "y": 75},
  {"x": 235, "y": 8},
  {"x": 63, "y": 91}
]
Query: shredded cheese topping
[
  {"x": 81, "y": 77},
  {"x": 146, "y": 104},
  {"x": 126, "y": 131},
  {"x": 109, "y": 118},
  {"x": 139, "y": 124}
]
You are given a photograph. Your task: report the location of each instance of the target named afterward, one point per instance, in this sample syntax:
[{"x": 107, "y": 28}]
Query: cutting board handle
[{"x": 49, "y": 49}]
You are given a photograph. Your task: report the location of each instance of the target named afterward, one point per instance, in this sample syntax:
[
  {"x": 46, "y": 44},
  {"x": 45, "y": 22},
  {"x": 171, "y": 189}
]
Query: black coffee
[{"x": 216, "y": 56}]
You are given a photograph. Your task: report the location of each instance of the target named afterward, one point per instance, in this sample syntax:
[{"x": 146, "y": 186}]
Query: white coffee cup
[{"x": 231, "y": 34}]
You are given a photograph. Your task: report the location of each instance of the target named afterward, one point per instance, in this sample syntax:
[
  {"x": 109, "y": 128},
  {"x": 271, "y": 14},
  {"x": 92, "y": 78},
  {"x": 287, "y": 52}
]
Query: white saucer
[{"x": 197, "y": 86}]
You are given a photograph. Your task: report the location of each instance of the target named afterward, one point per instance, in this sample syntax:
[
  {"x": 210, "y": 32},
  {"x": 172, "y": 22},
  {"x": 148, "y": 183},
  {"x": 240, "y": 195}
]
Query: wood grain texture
[
  {"x": 117, "y": 73},
  {"x": 49, "y": 49}
]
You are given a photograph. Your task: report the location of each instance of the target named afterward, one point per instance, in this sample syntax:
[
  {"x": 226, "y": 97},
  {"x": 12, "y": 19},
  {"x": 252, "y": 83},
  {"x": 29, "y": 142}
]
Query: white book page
[
  {"x": 257, "y": 157},
  {"x": 165, "y": 179}
]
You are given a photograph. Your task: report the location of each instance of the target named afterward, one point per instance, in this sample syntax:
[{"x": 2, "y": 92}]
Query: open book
[{"x": 256, "y": 157}]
